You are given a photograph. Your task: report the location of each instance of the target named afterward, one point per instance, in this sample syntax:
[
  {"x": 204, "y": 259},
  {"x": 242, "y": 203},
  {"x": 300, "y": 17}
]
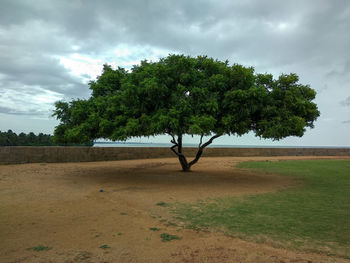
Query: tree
[
  {"x": 22, "y": 139},
  {"x": 10, "y": 138},
  {"x": 181, "y": 95}
]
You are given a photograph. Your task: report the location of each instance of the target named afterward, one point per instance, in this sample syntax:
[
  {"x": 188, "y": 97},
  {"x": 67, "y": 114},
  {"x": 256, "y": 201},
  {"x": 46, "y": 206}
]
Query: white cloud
[
  {"x": 28, "y": 100},
  {"x": 87, "y": 67},
  {"x": 83, "y": 67}
]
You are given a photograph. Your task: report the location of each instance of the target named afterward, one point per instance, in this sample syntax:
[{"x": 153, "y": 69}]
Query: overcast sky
[{"x": 49, "y": 50}]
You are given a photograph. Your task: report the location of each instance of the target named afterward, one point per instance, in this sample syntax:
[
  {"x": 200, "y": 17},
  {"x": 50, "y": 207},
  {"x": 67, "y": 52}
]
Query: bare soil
[{"x": 75, "y": 208}]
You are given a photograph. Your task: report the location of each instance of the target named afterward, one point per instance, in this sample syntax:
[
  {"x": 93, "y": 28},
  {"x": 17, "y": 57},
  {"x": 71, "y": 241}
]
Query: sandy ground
[{"x": 61, "y": 206}]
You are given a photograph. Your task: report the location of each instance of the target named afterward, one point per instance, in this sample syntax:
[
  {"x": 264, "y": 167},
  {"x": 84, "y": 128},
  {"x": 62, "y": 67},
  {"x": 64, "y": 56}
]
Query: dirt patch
[{"x": 77, "y": 208}]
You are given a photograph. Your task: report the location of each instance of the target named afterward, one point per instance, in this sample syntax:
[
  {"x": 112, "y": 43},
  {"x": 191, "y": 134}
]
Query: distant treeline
[{"x": 10, "y": 138}]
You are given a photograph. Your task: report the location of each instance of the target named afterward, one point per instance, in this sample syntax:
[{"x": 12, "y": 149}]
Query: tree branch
[
  {"x": 178, "y": 144},
  {"x": 201, "y": 147},
  {"x": 200, "y": 141},
  {"x": 172, "y": 148},
  {"x": 173, "y": 141},
  {"x": 210, "y": 140}
]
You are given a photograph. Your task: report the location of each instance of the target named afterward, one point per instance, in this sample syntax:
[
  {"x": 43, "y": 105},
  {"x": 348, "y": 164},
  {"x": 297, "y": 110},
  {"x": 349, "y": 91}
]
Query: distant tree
[
  {"x": 3, "y": 139},
  {"x": 22, "y": 139},
  {"x": 10, "y": 138},
  {"x": 31, "y": 139},
  {"x": 184, "y": 95}
]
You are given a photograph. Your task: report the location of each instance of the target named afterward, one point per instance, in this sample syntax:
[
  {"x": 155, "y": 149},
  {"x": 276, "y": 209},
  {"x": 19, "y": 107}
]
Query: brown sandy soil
[{"x": 61, "y": 206}]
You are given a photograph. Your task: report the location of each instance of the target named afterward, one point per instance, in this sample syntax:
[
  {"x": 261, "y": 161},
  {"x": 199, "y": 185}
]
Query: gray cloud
[
  {"x": 192, "y": 25},
  {"x": 346, "y": 102},
  {"x": 10, "y": 111},
  {"x": 273, "y": 32},
  {"x": 307, "y": 37}
]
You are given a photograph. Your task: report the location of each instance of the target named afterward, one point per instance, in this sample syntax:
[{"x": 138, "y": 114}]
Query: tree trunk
[
  {"x": 186, "y": 166},
  {"x": 183, "y": 161}
]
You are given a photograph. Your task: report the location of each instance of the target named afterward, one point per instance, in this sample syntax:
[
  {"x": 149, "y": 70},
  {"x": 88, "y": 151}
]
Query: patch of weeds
[
  {"x": 105, "y": 246},
  {"x": 148, "y": 239},
  {"x": 123, "y": 213},
  {"x": 154, "y": 229},
  {"x": 119, "y": 234},
  {"x": 39, "y": 248},
  {"x": 169, "y": 223},
  {"x": 167, "y": 237},
  {"x": 161, "y": 204}
]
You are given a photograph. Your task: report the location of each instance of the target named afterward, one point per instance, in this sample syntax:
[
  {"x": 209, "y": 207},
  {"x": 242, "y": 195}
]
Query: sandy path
[{"x": 61, "y": 206}]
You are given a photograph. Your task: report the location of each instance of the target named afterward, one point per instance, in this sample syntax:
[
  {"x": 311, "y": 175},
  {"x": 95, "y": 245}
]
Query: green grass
[
  {"x": 314, "y": 215},
  {"x": 105, "y": 246},
  {"x": 161, "y": 203},
  {"x": 154, "y": 229},
  {"x": 167, "y": 237},
  {"x": 39, "y": 248}
]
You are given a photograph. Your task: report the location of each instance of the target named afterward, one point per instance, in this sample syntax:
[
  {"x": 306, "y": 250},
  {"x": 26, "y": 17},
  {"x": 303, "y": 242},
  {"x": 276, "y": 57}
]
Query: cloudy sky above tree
[{"x": 49, "y": 50}]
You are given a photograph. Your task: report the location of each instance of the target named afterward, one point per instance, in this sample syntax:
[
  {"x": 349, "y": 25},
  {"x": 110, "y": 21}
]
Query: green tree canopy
[{"x": 181, "y": 95}]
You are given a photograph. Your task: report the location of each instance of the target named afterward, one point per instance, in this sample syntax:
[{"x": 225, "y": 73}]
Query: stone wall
[{"x": 27, "y": 154}]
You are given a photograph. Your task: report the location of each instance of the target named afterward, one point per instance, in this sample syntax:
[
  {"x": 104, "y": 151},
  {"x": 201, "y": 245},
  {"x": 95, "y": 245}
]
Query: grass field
[{"x": 313, "y": 215}]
